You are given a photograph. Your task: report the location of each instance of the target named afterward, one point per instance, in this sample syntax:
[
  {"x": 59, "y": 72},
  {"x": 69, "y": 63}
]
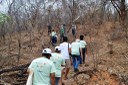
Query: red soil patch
[{"x": 104, "y": 78}]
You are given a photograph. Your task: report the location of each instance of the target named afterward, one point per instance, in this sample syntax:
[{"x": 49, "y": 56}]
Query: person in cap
[
  {"x": 75, "y": 52},
  {"x": 43, "y": 69},
  {"x": 59, "y": 62},
  {"x": 65, "y": 48}
]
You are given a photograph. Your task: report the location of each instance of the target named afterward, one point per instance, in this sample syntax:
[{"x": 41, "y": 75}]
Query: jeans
[
  {"x": 76, "y": 61},
  {"x": 80, "y": 60},
  {"x": 54, "y": 40},
  {"x": 57, "y": 80}
]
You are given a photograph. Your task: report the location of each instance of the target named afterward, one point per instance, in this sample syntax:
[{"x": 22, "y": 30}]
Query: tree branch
[{"x": 116, "y": 7}]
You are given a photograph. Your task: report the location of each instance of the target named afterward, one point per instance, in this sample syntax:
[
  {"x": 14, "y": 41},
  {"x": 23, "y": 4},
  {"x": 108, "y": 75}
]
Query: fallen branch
[{"x": 16, "y": 68}]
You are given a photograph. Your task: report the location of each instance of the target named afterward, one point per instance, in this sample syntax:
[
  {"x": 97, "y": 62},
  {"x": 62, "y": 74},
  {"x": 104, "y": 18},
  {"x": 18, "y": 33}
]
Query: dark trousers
[
  {"x": 83, "y": 53},
  {"x": 73, "y": 32},
  {"x": 49, "y": 32},
  {"x": 61, "y": 37},
  {"x": 54, "y": 40}
]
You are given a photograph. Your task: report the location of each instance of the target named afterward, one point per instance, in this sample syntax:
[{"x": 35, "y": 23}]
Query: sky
[{"x": 4, "y": 5}]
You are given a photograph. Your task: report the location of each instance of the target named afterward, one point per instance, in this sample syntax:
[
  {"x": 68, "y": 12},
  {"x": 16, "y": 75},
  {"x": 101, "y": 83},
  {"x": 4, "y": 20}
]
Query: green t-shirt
[
  {"x": 61, "y": 31},
  {"x": 83, "y": 43},
  {"x": 58, "y": 61},
  {"x": 75, "y": 48},
  {"x": 42, "y": 68}
]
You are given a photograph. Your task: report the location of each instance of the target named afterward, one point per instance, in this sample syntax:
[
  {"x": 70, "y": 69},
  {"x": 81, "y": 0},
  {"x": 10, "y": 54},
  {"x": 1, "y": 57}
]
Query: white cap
[
  {"x": 57, "y": 48},
  {"x": 47, "y": 51},
  {"x": 77, "y": 40}
]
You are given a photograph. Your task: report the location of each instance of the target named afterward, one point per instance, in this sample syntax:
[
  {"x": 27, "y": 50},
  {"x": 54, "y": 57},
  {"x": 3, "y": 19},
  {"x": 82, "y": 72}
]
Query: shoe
[
  {"x": 76, "y": 70},
  {"x": 65, "y": 78}
]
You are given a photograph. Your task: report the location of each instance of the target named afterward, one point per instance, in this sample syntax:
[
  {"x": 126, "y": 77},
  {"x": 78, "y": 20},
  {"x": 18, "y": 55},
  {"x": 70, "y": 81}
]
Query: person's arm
[
  {"x": 31, "y": 67},
  {"x": 70, "y": 50},
  {"x": 52, "y": 74},
  {"x": 52, "y": 78},
  {"x": 63, "y": 63},
  {"x": 28, "y": 70},
  {"x": 81, "y": 52}
]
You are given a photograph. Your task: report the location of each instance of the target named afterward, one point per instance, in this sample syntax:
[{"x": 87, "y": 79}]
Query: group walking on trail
[{"x": 54, "y": 66}]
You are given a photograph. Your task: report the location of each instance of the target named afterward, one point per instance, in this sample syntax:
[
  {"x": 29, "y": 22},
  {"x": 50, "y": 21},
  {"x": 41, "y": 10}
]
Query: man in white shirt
[{"x": 65, "y": 48}]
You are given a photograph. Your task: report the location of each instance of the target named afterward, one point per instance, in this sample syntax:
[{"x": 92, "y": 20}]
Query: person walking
[
  {"x": 49, "y": 29},
  {"x": 54, "y": 37},
  {"x": 59, "y": 62},
  {"x": 43, "y": 69},
  {"x": 61, "y": 33},
  {"x": 75, "y": 52},
  {"x": 74, "y": 30},
  {"x": 65, "y": 30},
  {"x": 65, "y": 48},
  {"x": 83, "y": 47}
]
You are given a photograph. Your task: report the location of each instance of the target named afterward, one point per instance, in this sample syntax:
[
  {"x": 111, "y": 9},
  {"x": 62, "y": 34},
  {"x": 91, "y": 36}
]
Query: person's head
[
  {"x": 81, "y": 37},
  {"x": 47, "y": 52},
  {"x": 57, "y": 49},
  {"x": 77, "y": 40},
  {"x": 53, "y": 30},
  {"x": 64, "y": 25},
  {"x": 65, "y": 39}
]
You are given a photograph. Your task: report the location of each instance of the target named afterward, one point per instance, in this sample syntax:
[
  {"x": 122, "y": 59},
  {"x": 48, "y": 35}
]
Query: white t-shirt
[
  {"x": 64, "y": 49},
  {"x": 75, "y": 48},
  {"x": 83, "y": 43}
]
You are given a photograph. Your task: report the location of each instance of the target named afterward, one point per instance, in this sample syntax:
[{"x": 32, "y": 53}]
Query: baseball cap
[
  {"x": 47, "y": 51},
  {"x": 57, "y": 48}
]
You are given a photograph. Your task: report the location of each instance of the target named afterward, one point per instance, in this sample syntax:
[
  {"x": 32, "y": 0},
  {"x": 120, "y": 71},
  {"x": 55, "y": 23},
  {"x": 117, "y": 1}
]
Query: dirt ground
[{"x": 112, "y": 69}]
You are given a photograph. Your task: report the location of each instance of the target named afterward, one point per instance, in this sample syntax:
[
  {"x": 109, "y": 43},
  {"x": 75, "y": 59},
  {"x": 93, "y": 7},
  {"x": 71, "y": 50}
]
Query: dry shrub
[
  {"x": 8, "y": 60},
  {"x": 117, "y": 34}
]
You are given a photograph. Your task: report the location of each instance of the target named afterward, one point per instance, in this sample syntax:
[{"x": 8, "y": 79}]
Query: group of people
[
  {"x": 53, "y": 66},
  {"x": 62, "y": 33}
]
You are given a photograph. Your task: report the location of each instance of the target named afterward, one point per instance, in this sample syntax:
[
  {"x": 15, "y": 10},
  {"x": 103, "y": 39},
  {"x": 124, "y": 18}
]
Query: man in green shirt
[
  {"x": 61, "y": 33},
  {"x": 59, "y": 62},
  {"x": 43, "y": 69}
]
